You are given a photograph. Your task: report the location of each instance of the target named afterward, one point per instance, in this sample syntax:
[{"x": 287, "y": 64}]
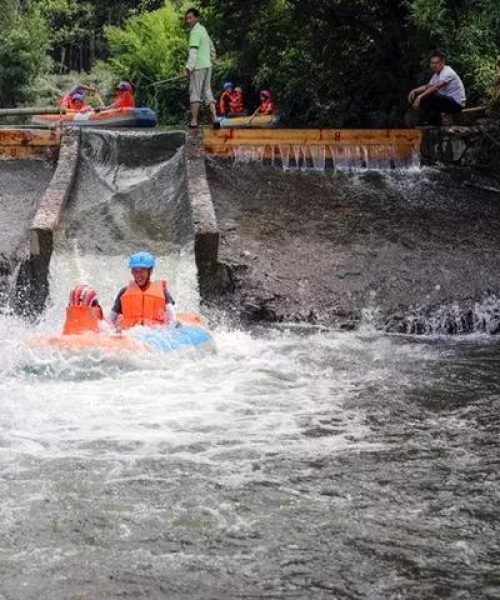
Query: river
[{"x": 279, "y": 462}]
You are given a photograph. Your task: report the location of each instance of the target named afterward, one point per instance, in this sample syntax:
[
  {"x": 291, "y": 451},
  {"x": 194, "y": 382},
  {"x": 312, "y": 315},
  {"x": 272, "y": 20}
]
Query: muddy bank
[
  {"x": 22, "y": 183},
  {"x": 414, "y": 251}
]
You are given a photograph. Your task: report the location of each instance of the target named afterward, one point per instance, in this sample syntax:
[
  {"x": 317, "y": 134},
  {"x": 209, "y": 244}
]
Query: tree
[
  {"x": 23, "y": 51},
  {"x": 72, "y": 32},
  {"x": 352, "y": 62},
  {"x": 152, "y": 46}
]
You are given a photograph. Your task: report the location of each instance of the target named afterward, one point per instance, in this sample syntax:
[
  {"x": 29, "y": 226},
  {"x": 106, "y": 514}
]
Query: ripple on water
[{"x": 285, "y": 462}]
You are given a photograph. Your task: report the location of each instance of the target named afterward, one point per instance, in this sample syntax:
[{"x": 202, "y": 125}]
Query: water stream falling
[
  {"x": 320, "y": 157},
  {"x": 289, "y": 462}
]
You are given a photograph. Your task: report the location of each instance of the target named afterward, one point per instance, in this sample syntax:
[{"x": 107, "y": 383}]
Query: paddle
[
  {"x": 166, "y": 81},
  {"x": 252, "y": 117}
]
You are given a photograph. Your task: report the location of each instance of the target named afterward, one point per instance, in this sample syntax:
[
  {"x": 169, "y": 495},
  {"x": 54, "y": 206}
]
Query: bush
[{"x": 49, "y": 88}]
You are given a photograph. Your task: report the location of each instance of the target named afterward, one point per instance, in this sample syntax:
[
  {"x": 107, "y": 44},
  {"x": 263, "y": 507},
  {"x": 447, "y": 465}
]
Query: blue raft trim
[{"x": 172, "y": 338}]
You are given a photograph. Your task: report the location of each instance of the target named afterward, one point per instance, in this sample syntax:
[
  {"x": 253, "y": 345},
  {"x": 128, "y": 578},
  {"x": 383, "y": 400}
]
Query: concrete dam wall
[{"x": 330, "y": 239}]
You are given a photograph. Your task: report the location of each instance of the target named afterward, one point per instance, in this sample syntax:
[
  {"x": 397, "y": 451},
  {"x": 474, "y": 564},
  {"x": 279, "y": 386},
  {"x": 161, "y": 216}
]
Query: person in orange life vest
[
  {"x": 143, "y": 301},
  {"x": 237, "y": 106},
  {"x": 267, "y": 106},
  {"x": 66, "y": 101},
  {"x": 78, "y": 103},
  {"x": 225, "y": 99},
  {"x": 124, "y": 96},
  {"x": 84, "y": 312},
  {"x": 75, "y": 102}
]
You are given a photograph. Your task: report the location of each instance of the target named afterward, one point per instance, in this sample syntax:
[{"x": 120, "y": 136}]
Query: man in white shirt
[{"x": 445, "y": 92}]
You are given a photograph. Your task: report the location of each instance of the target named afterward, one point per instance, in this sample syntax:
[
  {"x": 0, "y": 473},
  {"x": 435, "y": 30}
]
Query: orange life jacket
[
  {"x": 64, "y": 101},
  {"x": 124, "y": 99},
  {"x": 225, "y": 102},
  {"x": 267, "y": 107},
  {"x": 236, "y": 105},
  {"x": 68, "y": 102},
  {"x": 146, "y": 307},
  {"x": 81, "y": 319}
]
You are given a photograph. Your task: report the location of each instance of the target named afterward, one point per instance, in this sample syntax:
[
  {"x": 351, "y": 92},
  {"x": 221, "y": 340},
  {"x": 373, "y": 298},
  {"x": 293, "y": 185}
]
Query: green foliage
[
  {"x": 23, "y": 52},
  {"x": 469, "y": 35},
  {"x": 48, "y": 88},
  {"x": 328, "y": 62},
  {"x": 71, "y": 24},
  {"x": 151, "y": 47}
]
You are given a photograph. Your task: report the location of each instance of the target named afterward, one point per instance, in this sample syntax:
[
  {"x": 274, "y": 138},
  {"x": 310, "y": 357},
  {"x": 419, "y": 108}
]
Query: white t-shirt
[{"x": 454, "y": 88}]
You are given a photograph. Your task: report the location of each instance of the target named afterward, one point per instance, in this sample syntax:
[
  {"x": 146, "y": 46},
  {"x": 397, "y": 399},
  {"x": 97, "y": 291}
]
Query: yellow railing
[
  {"x": 28, "y": 143},
  {"x": 390, "y": 143}
]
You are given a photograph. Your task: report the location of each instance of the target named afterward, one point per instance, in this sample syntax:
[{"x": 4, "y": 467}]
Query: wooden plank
[
  {"x": 331, "y": 151},
  {"x": 221, "y": 142},
  {"x": 18, "y": 152},
  {"x": 29, "y": 137}
]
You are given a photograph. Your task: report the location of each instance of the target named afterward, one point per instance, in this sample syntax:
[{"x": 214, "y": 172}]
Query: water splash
[{"x": 481, "y": 317}]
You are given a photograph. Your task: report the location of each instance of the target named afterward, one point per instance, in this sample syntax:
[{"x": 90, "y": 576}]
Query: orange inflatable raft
[
  {"x": 111, "y": 118},
  {"x": 81, "y": 334}
]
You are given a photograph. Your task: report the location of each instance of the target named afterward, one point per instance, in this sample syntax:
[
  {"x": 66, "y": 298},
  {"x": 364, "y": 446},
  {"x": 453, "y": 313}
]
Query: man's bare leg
[
  {"x": 213, "y": 116},
  {"x": 195, "y": 114},
  {"x": 213, "y": 112}
]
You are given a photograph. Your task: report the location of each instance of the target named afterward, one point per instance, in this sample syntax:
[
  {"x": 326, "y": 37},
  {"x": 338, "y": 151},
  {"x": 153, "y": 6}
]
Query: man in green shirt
[{"x": 199, "y": 68}]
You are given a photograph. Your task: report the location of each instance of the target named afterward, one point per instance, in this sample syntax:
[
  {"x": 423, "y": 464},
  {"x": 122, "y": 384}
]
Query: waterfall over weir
[
  {"x": 319, "y": 149},
  {"x": 321, "y": 157}
]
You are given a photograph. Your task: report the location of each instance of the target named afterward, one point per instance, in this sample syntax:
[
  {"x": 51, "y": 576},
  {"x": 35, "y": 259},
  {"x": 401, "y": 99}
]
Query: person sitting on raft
[
  {"x": 225, "y": 99},
  {"x": 445, "y": 92},
  {"x": 267, "y": 105},
  {"x": 236, "y": 105},
  {"x": 78, "y": 91},
  {"x": 124, "y": 96},
  {"x": 75, "y": 102},
  {"x": 143, "y": 301},
  {"x": 84, "y": 312},
  {"x": 78, "y": 103}
]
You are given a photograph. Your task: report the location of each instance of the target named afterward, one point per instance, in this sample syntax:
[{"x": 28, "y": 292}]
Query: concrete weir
[
  {"x": 322, "y": 226},
  {"x": 27, "y": 165},
  {"x": 46, "y": 220},
  {"x": 202, "y": 210},
  {"x": 410, "y": 250}
]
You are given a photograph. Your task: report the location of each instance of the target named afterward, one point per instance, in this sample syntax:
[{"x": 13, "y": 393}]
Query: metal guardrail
[{"x": 31, "y": 110}]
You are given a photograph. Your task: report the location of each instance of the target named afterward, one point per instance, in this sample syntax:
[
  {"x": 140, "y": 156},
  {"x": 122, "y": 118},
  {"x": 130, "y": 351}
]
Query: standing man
[
  {"x": 199, "y": 68},
  {"x": 445, "y": 92}
]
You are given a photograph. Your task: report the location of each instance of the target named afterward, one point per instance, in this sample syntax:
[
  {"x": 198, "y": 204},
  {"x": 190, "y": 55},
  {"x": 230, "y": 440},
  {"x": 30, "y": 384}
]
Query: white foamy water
[{"x": 274, "y": 448}]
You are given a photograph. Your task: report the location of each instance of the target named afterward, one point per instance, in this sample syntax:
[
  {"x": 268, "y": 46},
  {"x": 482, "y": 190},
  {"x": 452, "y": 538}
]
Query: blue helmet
[
  {"x": 79, "y": 97},
  {"x": 77, "y": 89},
  {"x": 142, "y": 260},
  {"x": 227, "y": 85},
  {"x": 124, "y": 86}
]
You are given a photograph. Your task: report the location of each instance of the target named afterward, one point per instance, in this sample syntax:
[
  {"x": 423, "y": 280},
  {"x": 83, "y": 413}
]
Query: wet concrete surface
[
  {"x": 417, "y": 250},
  {"x": 22, "y": 184}
]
